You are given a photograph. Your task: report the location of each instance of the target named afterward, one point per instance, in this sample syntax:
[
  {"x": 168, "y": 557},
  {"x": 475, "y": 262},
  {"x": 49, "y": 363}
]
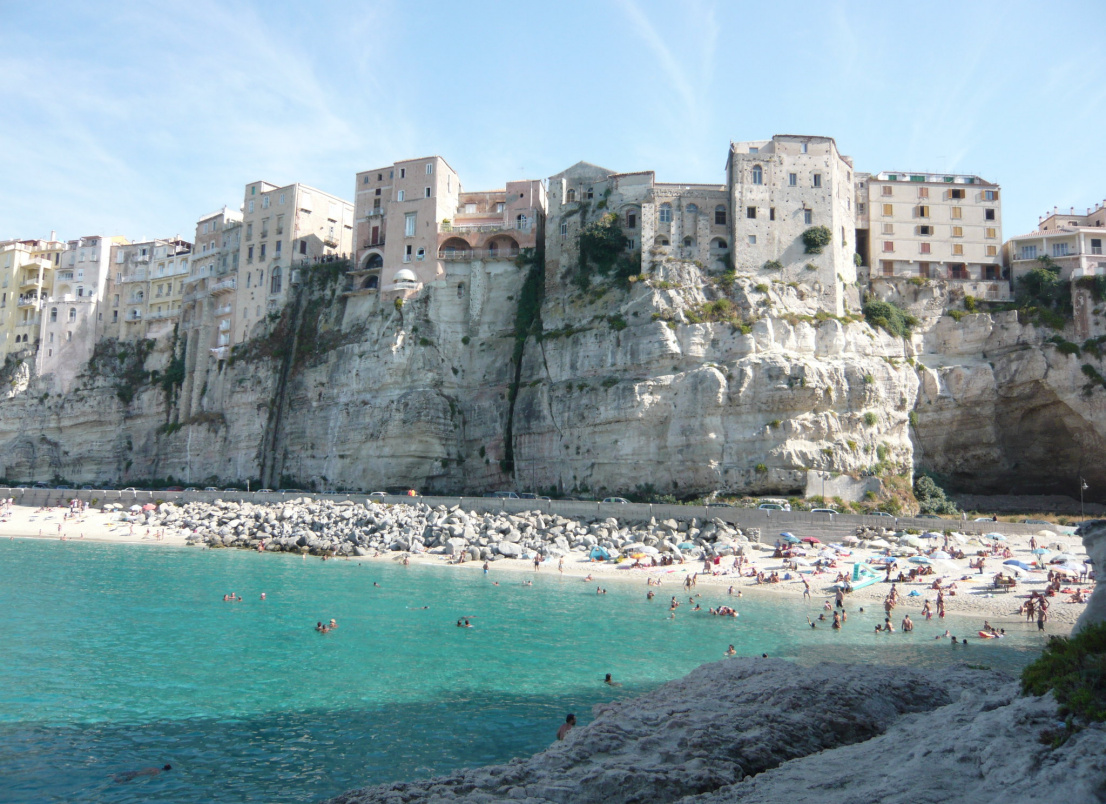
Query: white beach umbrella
[
  {"x": 1047, "y": 534},
  {"x": 941, "y": 554},
  {"x": 879, "y": 544},
  {"x": 850, "y": 539}
]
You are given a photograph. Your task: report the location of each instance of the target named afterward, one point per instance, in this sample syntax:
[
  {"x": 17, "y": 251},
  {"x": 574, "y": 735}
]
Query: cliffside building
[
  {"x": 145, "y": 286},
  {"x": 284, "y": 227},
  {"x": 933, "y": 226},
  {"x": 26, "y": 277},
  {"x": 782, "y": 188},
  {"x": 73, "y": 315},
  {"x": 1074, "y": 242}
]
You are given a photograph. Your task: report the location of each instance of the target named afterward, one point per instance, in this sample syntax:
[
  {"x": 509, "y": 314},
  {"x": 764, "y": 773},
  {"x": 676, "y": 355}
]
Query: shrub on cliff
[
  {"x": 931, "y": 497},
  {"x": 1074, "y": 669},
  {"x": 889, "y": 317},
  {"x": 817, "y": 238}
]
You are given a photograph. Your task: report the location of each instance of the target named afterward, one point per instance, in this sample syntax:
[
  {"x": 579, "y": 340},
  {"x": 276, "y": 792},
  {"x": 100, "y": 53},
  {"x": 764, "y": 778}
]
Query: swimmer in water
[
  {"x": 333, "y": 623},
  {"x": 262, "y": 595},
  {"x": 609, "y": 682},
  {"x": 131, "y": 775},
  {"x": 731, "y": 651},
  {"x": 650, "y": 595},
  {"x": 376, "y": 584}
]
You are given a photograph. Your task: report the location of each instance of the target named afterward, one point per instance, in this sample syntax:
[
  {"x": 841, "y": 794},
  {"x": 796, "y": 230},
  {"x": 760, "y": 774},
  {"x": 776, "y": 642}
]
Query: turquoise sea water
[{"x": 120, "y": 657}]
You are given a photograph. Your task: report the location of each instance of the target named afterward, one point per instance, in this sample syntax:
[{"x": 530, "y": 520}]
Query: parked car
[
  {"x": 615, "y": 500},
  {"x": 86, "y": 487},
  {"x": 131, "y": 489},
  {"x": 378, "y": 494},
  {"x": 822, "y": 511},
  {"x": 880, "y": 513},
  {"x": 984, "y": 519},
  {"x": 191, "y": 488},
  {"x": 230, "y": 489},
  {"x": 770, "y": 507},
  {"x": 294, "y": 491},
  {"x": 174, "y": 488},
  {"x": 506, "y": 495},
  {"x": 527, "y": 495},
  {"x": 783, "y": 504},
  {"x": 264, "y": 491},
  {"x": 210, "y": 488},
  {"x": 1037, "y": 522},
  {"x": 64, "y": 488}
]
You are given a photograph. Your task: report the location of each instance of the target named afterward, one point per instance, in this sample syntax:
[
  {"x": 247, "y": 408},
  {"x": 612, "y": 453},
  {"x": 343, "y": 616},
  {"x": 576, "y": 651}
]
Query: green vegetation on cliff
[
  {"x": 1074, "y": 670},
  {"x": 889, "y": 317}
]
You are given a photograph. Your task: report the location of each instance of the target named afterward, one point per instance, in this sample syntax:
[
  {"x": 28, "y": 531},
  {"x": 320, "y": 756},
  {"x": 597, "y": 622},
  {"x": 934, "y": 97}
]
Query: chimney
[{"x": 53, "y": 235}]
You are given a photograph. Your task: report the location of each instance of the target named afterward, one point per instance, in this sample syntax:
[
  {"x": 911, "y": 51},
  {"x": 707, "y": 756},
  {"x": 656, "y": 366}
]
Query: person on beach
[
  {"x": 566, "y": 727},
  {"x": 561, "y": 565},
  {"x": 806, "y": 589},
  {"x": 1042, "y": 617},
  {"x": 132, "y": 775}
]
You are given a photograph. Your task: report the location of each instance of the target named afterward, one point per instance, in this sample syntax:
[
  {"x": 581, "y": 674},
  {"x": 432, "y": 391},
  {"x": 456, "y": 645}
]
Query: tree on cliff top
[
  {"x": 889, "y": 317},
  {"x": 931, "y": 497},
  {"x": 602, "y": 246}
]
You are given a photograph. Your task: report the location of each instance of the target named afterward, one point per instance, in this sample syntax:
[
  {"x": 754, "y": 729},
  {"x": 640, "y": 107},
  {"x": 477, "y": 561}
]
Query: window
[
  {"x": 720, "y": 215},
  {"x": 990, "y": 195},
  {"x": 887, "y": 189},
  {"x": 992, "y": 251},
  {"x": 753, "y": 149},
  {"x": 1096, "y": 245},
  {"x": 771, "y": 213},
  {"x": 691, "y": 209},
  {"x": 666, "y": 213},
  {"x": 365, "y": 180},
  {"x": 957, "y": 213},
  {"x": 54, "y": 314},
  {"x": 758, "y": 174},
  {"x": 303, "y": 247},
  {"x": 887, "y": 210},
  {"x": 925, "y": 230},
  {"x": 888, "y": 228},
  {"x": 688, "y": 242},
  {"x": 631, "y": 219},
  {"x": 250, "y": 206},
  {"x": 956, "y": 193},
  {"x": 407, "y": 253},
  {"x": 262, "y": 255},
  {"x": 278, "y": 245},
  {"x": 860, "y": 208},
  {"x": 752, "y": 240},
  {"x": 925, "y": 248},
  {"x": 564, "y": 231},
  {"x": 249, "y": 254},
  {"x": 957, "y": 231},
  {"x": 1059, "y": 249},
  {"x": 114, "y": 319},
  {"x": 808, "y": 216},
  {"x": 426, "y": 191},
  {"x": 989, "y": 214},
  {"x": 591, "y": 194},
  {"x": 923, "y": 192},
  {"x": 888, "y": 267},
  {"x": 499, "y": 206},
  {"x": 281, "y": 201},
  {"x": 249, "y": 231},
  {"x": 888, "y": 245},
  {"x": 792, "y": 179},
  {"x": 817, "y": 179},
  {"x": 921, "y": 212},
  {"x": 68, "y": 336},
  {"x": 751, "y": 212},
  {"x": 72, "y": 313},
  {"x": 803, "y": 147},
  {"x": 248, "y": 275},
  {"x": 570, "y": 196},
  {"x": 409, "y": 224},
  {"x": 275, "y": 281},
  {"x": 403, "y": 173},
  {"x": 429, "y": 168},
  {"x": 958, "y": 249},
  {"x": 631, "y": 244},
  {"x": 420, "y": 254},
  {"x": 265, "y": 202},
  {"x": 399, "y": 195}
]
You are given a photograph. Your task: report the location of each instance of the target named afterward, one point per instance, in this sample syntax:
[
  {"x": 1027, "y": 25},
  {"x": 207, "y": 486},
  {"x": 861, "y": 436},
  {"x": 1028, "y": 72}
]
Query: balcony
[
  {"x": 499, "y": 226},
  {"x": 30, "y": 280},
  {"x": 137, "y": 276},
  {"x": 29, "y": 301},
  {"x": 330, "y": 240},
  {"x": 224, "y": 325},
  {"x": 31, "y": 322},
  {"x": 134, "y": 317},
  {"x": 194, "y": 296},
  {"x": 226, "y": 309},
  {"x": 377, "y": 244},
  {"x": 162, "y": 315},
  {"x": 226, "y": 286},
  {"x": 467, "y": 255},
  {"x": 375, "y": 212},
  {"x": 220, "y": 352}
]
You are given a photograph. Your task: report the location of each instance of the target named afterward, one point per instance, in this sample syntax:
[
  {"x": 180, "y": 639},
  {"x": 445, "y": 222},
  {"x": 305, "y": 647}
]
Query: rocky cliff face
[{"x": 682, "y": 381}]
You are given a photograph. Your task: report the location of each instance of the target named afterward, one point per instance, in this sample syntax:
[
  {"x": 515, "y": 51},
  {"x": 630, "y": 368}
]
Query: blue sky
[{"x": 135, "y": 118}]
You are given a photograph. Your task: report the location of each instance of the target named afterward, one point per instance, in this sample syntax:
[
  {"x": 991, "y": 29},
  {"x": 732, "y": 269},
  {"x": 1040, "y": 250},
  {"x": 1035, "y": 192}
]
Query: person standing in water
[{"x": 566, "y": 727}]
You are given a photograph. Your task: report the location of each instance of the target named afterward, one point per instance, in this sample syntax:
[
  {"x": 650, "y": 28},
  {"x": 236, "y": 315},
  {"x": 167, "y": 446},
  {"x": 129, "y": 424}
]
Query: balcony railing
[
  {"x": 195, "y": 295},
  {"x": 226, "y": 286},
  {"x": 220, "y": 352},
  {"x": 137, "y": 276},
  {"x": 498, "y": 226},
  {"x": 374, "y": 212},
  {"x": 29, "y": 280},
  {"x": 378, "y": 244},
  {"x": 330, "y": 240},
  {"x": 161, "y": 314},
  {"x": 29, "y": 301},
  {"x": 467, "y": 255},
  {"x": 226, "y": 309},
  {"x": 33, "y": 322}
]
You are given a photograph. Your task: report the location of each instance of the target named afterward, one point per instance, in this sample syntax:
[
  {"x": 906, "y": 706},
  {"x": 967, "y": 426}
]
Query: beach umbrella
[
  {"x": 1013, "y": 562},
  {"x": 136, "y": 507},
  {"x": 918, "y": 560},
  {"x": 653, "y": 551},
  {"x": 149, "y": 507},
  {"x": 850, "y": 539},
  {"x": 931, "y": 535},
  {"x": 1061, "y": 558},
  {"x": 1039, "y": 551},
  {"x": 881, "y": 544},
  {"x": 913, "y": 541},
  {"x": 1047, "y": 534},
  {"x": 941, "y": 554},
  {"x": 811, "y": 540},
  {"x": 787, "y": 537},
  {"x": 998, "y": 537},
  {"x": 687, "y": 546},
  {"x": 802, "y": 562}
]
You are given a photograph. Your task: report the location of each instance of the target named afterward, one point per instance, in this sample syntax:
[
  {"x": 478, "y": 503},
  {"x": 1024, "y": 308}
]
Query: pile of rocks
[{"x": 347, "y": 528}]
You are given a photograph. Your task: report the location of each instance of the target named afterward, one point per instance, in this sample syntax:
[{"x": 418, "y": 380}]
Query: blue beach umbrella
[
  {"x": 918, "y": 560},
  {"x": 1013, "y": 562},
  {"x": 687, "y": 546},
  {"x": 787, "y": 537}
]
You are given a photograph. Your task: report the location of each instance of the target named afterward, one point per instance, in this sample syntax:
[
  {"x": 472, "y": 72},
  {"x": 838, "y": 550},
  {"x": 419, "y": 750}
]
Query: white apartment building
[
  {"x": 145, "y": 287},
  {"x": 1074, "y": 242},
  {"x": 933, "y": 226},
  {"x": 283, "y": 229},
  {"x": 207, "y": 312},
  {"x": 73, "y": 314}
]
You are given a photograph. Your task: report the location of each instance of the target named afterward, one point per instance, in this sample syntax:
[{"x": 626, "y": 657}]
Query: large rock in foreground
[{"x": 703, "y": 733}]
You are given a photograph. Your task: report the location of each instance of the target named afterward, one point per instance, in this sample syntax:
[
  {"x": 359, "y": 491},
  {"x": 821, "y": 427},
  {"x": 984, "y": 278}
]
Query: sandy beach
[{"x": 974, "y": 597}]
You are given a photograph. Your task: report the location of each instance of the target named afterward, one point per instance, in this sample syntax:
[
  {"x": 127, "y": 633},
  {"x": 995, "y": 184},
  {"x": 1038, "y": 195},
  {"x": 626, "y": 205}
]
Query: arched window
[
  {"x": 590, "y": 194},
  {"x": 631, "y": 219},
  {"x": 720, "y": 215},
  {"x": 461, "y": 290},
  {"x": 371, "y": 282},
  {"x": 691, "y": 209},
  {"x": 660, "y": 240},
  {"x": 53, "y": 314},
  {"x": 374, "y": 261},
  {"x": 666, "y": 213},
  {"x": 718, "y": 244},
  {"x": 72, "y": 313},
  {"x": 758, "y": 174},
  {"x": 274, "y": 281},
  {"x": 570, "y": 195},
  {"x": 688, "y": 241}
]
